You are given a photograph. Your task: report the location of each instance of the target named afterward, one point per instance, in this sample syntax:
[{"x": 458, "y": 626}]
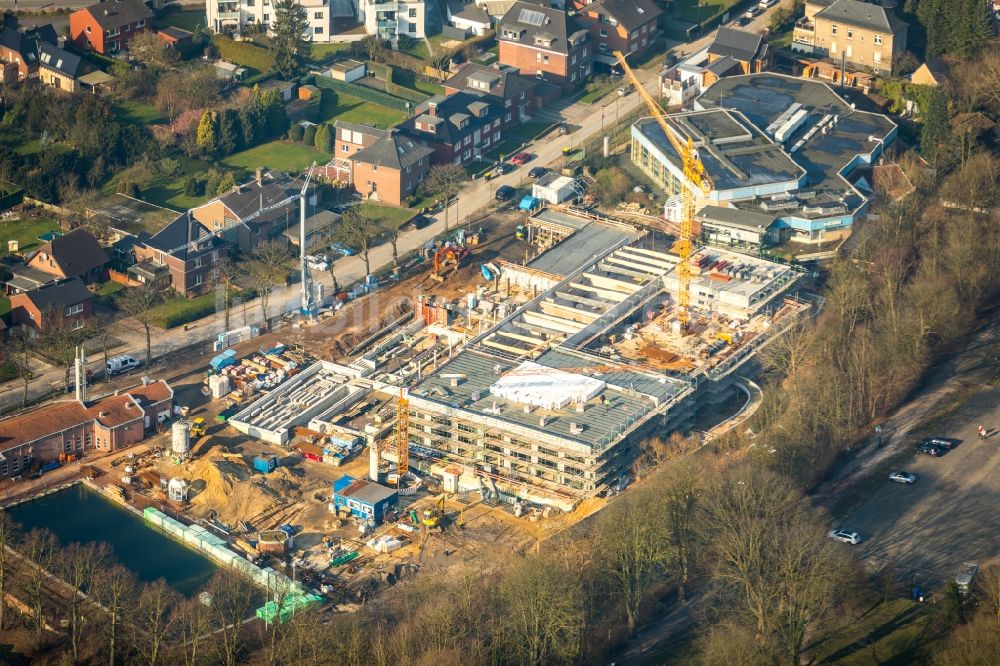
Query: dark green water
[{"x": 81, "y": 514}]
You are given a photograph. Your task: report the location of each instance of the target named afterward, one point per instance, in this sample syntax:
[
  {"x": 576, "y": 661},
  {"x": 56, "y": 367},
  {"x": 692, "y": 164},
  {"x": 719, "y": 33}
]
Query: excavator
[
  {"x": 445, "y": 255},
  {"x": 432, "y": 515}
]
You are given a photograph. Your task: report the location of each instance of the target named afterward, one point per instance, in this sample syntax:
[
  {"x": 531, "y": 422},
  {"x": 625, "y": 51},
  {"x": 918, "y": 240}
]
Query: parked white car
[
  {"x": 318, "y": 262},
  {"x": 844, "y": 536},
  {"x": 903, "y": 477}
]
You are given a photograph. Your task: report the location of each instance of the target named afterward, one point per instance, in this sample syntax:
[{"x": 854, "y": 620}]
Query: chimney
[
  {"x": 432, "y": 109},
  {"x": 541, "y": 421},
  {"x": 579, "y": 407},
  {"x": 575, "y": 428},
  {"x": 260, "y": 176}
]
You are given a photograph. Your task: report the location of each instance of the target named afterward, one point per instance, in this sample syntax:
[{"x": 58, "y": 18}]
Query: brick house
[
  {"x": 61, "y": 69},
  {"x": 384, "y": 165},
  {"x": 74, "y": 428},
  {"x": 859, "y": 33},
  {"x": 545, "y": 43},
  {"x": 252, "y": 212},
  {"x": 75, "y": 254},
  {"x": 19, "y": 50},
  {"x": 67, "y": 301},
  {"x": 185, "y": 251},
  {"x": 109, "y": 26},
  {"x": 459, "y": 127},
  {"x": 499, "y": 85},
  {"x": 629, "y": 26}
]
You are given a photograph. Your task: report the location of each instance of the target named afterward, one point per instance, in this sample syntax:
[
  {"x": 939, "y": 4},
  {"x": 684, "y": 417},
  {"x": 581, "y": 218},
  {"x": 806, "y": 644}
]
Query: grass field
[
  {"x": 177, "y": 305},
  {"x": 4, "y": 306},
  {"x": 325, "y": 53},
  {"x": 504, "y": 150},
  {"x": 26, "y": 232},
  {"x": 596, "y": 91},
  {"x": 531, "y": 129},
  {"x": 278, "y": 154},
  {"x": 353, "y": 110},
  {"x": 389, "y": 217},
  {"x": 699, "y": 11},
  {"x": 140, "y": 113},
  {"x": 186, "y": 19}
]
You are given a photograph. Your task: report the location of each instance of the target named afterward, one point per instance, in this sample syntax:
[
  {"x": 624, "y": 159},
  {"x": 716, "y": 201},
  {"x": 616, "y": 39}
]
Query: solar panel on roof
[{"x": 531, "y": 17}]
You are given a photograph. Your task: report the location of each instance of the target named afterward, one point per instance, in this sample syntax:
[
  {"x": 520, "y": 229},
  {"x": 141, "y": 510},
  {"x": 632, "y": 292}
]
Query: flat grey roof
[
  {"x": 736, "y": 218},
  {"x": 737, "y": 155},
  {"x": 581, "y": 246},
  {"x": 762, "y": 98},
  {"x": 601, "y": 422}
]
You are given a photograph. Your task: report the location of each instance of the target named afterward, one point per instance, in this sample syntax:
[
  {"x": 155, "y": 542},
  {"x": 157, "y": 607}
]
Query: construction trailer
[{"x": 364, "y": 499}]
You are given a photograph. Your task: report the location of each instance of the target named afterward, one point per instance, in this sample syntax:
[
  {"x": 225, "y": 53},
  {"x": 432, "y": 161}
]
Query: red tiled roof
[
  {"x": 41, "y": 422},
  {"x": 116, "y": 410},
  {"x": 153, "y": 392}
]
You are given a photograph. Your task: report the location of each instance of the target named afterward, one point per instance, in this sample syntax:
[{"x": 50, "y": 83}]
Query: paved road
[{"x": 949, "y": 515}]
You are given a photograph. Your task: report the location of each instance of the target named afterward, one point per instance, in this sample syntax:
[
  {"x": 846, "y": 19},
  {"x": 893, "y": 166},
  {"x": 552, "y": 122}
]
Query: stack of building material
[{"x": 219, "y": 385}]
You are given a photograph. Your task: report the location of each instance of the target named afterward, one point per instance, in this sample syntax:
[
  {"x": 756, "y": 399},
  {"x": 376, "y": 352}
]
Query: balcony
[
  {"x": 386, "y": 25},
  {"x": 805, "y": 25},
  {"x": 228, "y": 16},
  {"x": 384, "y": 7}
]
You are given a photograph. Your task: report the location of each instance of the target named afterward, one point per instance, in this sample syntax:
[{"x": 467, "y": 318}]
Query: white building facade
[
  {"x": 223, "y": 16},
  {"x": 389, "y": 20}
]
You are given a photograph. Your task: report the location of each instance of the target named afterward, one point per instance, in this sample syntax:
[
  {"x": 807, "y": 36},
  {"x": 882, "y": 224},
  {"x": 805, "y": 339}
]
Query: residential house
[
  {"x": 546, "y": 43},
  {"x": 73, "y": 427},
  {"x": 19, "y": 50},
  {"x": 253, "y": 212},
  {"x": 629, "y": 26},
  {"x": 459, "y": 127},
  {"x": 109, "y": 26},
  {"x": 747, "y": 49},
  {"x": 472, "y": 18},
  {"x": 234, "y": 16},
  {"x": 66, "y": 302},
  {"x": 860, "y": 34},
  {"x": 391, "y": 169},
  {"x": 61, "y": 69},
  {"x": 731, "y": 53},
  {"x": 932, "y": 73},
  {"x": 384, "y": 165},
  {"x": 74, "y": 254},
  {"x": 390, "y": 20},
  {"x": 499, "y": 85},
  {"x": 185, "y": 250}
]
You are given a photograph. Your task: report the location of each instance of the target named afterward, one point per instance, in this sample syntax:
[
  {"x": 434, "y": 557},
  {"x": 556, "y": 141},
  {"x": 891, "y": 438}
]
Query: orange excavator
[{"x": 445, "y": 255}]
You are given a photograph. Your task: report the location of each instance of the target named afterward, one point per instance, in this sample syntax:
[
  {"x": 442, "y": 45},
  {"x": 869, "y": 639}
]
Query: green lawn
[
  {"x": 166, "y": 191},
  {"x": 186, "y": 19},
  {"x": 26, "y": 232},
  {"x": 388, "y": 216},
  {"x": 353, "y": 110},
  {"x": 326, "y": 53},
  {"x": 177, "y": 305},
  {"x": 108, "y": 288},
  {"x": 140, "y": 113},
  {"x": 897, "y": 632},
  {"x": 596, "y": 91},
  {"x": 278, "y": 154},
  {"x": 4, "y": 305},
  {"x": 532, "y": 129},
  {"x": 419, "y": 50},
  {"x": 699, "y": 11}
]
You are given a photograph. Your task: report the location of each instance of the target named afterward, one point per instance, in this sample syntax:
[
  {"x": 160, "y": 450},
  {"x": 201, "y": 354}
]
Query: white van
[
  {"x": 123, "y": 363},
  {"x": 764, "y": 4}
]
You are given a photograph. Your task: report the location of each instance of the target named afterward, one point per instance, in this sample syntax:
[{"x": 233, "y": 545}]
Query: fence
[
  {"x": 12, "y": 195},
  {"x": 122, "y": 278},
  {"x": 363, "y": 92}
]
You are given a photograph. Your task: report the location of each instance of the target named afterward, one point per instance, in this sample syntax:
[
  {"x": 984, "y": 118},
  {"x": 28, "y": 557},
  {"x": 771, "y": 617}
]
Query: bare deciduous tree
[
  {"x": 267, "y": 267},
  {"x": 10, "y": 532},
  {"x": 360, "y": 230},
  {"x": 155, "y": 621},
  {"x": 77, "y": 564},
  {"x": 39, "y": 547},
  {"x": 114, "y": 588},
  {"x": 138, "y": 303},
  {"x": 194, "y": 622},
  {"x": 232, "y": 602},
  {"x": 21, "y": 343},
  {"x": 445, "y": 180}
]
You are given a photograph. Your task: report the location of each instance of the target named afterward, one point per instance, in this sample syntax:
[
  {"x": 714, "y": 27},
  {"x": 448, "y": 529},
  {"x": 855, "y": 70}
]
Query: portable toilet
[{"x": 265, "y": 464}]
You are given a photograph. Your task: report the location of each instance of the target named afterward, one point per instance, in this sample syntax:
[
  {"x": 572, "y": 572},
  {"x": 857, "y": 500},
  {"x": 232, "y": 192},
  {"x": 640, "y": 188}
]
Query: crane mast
[
  {"x": 307, "y": 306},
  {"x": 402, "y": 437},
  {"x": 694, "y": 174}
]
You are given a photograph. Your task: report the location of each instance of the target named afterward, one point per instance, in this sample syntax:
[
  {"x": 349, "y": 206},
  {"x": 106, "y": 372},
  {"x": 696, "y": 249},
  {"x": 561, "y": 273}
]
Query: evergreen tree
[
  {"x": 324, "y": 138},
  {"x": 936, "y": 132},
  {"x": 229, "y": 132},
  {"x": 252, "y": 122},
  {"x": 226, "y": 183},
  {"x": 291, "y": 47},
  {"x": 207, "y": 140},
  {"x": 275, "y": 119},
  {"x": 295, "y": 132},
  {"x": 309, "y": 136},
  {"x": 976, "y": 28}
]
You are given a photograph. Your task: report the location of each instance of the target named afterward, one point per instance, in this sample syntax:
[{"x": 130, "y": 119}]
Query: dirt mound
[{"x": 223, "y": 482}]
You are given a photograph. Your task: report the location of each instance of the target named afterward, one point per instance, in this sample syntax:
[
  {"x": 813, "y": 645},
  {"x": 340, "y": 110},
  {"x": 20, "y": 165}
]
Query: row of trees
[
  {"x": 958, "y": 27},
  {"x": 259, "y": 118}
]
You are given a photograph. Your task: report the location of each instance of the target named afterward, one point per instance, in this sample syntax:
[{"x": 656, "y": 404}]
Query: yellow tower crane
[
  {"x": 402, "y": 437},
  {"x": 694, "y": 177}
]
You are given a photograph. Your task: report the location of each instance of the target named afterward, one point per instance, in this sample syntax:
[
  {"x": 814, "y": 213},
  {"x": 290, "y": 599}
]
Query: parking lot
[{"x": 950, "y": 514}]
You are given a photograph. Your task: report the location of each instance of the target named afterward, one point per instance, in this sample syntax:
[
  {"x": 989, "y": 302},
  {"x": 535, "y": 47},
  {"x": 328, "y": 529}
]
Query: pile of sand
[{"x": 223, "y": 482}]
